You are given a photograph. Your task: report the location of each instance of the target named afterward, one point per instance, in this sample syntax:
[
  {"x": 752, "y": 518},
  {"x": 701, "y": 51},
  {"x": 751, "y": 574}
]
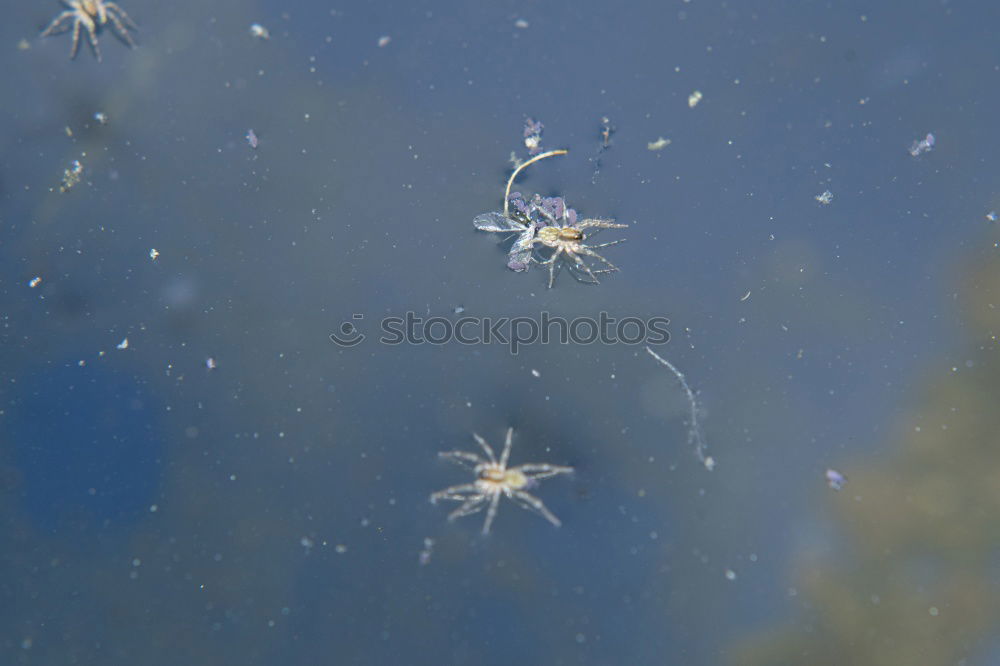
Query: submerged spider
[
  {"x": 568, "y": 243},
  {"x": 494, "y": 479},
  {"x": 92, "y": 15}
]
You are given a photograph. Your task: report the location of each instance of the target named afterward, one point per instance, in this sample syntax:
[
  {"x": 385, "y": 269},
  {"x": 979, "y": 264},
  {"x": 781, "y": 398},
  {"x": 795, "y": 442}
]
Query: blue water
[{"x": 232, "y": 487}]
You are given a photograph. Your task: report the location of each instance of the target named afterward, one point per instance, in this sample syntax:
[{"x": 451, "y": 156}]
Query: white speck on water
[
  {"x": 659, "y": 144},
  {"x": 153, "y": 253},
  {"x": 535, "y": 373},
  {"x": 123, "y": 344},
  {"x": 922, "y": 146},
  {"x": 825, "y": 198},
  {"x": 35, "y": 281},
  {"x": 834, "y": 479}
]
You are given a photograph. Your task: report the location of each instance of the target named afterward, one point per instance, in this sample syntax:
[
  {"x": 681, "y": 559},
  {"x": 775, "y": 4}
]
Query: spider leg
[
  {"x": 463, "y": 492},
  {"x": 113, "y": 8},
  {"x": 600, "y": 224},
  {"x": 622, "y": 240},
  {"x": 486, "y": 447},
  {"x": 57, "y": 22},
  {"x": 463, "y": 458},
  {"x": 547, "y": 214},
  {"x": 506, "y": 448},
  {"x": 590, "y": 253},
  {"x": 532, "y": 503},
  {"x": 474, "y": 505},
  {"x": 538, "y": 471},
  {"x": 121, "y": 30},
  {"x": 583, "y": 266},
  {"x": 492, "y": 513},
  {"x": 551, "y": 261},
  {"x": 75, "y": 48},
  {"x": 91, "y": 38}
]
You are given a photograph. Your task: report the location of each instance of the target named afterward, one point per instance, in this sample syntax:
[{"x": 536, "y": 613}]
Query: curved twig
[{"x": 510, "y": 182}]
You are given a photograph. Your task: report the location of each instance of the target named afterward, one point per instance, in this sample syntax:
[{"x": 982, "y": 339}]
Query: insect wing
[
  {"x": 519, "y": 257},
  {"x": 496, "y": 221}
]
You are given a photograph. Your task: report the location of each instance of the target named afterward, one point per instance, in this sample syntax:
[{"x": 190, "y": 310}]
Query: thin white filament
[{"x": 695, "y": 436}]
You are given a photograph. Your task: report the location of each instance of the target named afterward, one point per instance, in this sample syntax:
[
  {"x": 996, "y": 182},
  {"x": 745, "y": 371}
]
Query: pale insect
[
  {"x": 91, "y": 15},
  {"x": 519, "y": 256},
  {"x": 493, "y": 479}
]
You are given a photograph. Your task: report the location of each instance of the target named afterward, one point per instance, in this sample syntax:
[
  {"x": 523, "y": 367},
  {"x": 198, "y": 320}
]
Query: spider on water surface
[
  {"x": 548, "y": 224},
  {"x": 568, "y": 244}
]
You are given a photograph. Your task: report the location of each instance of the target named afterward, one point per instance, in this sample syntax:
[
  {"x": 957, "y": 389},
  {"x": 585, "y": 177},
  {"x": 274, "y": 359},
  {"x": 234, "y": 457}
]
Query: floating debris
[
  {"x": 123, "y": 344},
  {"x": 35, "y": 281},
  {"x": 730, "y": 574},
  {"x": 991, "y": 216},
  {"x": 746, "y": 296},
  {"x": 695, "y": 436},
  {"x": 607, "y": 129},
  {"x": 383, "y": 41},
  {"x": 259, "y": 31},
  {"x": 659, "y": 144},
  {"x": 535, "y": 373},
  {"x": 533, "y": 136},
  {"x": 252, "y": 139},
  {"x": 210, "y": 363},
  {"x": 101, "y": 117},
  {"x": 521, "y": 23},
  {"x": 924, "y": 145},
  {"x": 153, "y": 253},
  {"x": 425, "y": 554},
  {"x": 825, "y": 198},
  {"x": 834, "y": 479},
  {"x": 694, "y": 98},
  {"x": 459, "y": 309},
  {"x": 71, "y": 176}
]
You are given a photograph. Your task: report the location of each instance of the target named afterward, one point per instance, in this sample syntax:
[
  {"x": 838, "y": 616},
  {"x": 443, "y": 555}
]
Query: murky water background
[{"x": 274, "y": 509}]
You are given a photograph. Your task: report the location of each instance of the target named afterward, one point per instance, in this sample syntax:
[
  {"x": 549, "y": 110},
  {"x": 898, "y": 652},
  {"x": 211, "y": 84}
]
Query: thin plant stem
[{"x": 510, "y": 182}]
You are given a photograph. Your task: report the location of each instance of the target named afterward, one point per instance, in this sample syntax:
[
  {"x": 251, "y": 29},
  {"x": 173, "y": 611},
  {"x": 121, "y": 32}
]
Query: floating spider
[
  {"x": 494, "y": 479},
  {"x": 551, "y": 224},
  {"x": 92, "y": 15},
  {"x": 567, "y": 242},
  {"x": 523, "y": 221}
]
